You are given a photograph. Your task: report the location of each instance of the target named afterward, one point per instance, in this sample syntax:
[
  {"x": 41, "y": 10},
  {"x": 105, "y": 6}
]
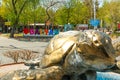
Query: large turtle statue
[
  {"x": 116, "y": 45},
  {"x": 74, "y": 55},
  {"x": 80, "y": 53}
]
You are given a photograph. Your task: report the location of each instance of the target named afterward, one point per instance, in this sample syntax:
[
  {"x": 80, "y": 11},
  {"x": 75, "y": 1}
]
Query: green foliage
[
  {"x": 75, "y": 12},
  {"x": 68, "y": 11},
  {"x": 32, "y": 14},
  {"x": 79, "y": 13},
  {"x": 110, "y": 13}
]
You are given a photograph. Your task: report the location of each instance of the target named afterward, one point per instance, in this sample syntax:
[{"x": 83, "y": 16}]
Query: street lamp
[
  {"x": 0, "y": 5},
  {"x": 94, "y": 10},
  {"x": 94, "y": 6},
  {"x": 0, "y": 17}
]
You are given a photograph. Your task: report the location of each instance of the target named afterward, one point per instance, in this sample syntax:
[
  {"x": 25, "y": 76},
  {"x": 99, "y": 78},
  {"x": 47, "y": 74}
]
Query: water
[{"x": 108, "y": 76}]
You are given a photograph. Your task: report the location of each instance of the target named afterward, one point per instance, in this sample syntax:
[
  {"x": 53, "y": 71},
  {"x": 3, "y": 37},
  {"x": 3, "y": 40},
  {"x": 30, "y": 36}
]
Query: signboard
[
  {"x": 7, "y": 23},
  {"x": 95, "y": 22}
]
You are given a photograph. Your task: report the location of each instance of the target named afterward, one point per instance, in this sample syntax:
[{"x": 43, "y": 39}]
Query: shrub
[
  {"x": 13, "y": 55},
  {"x": 20, "y": 54}
]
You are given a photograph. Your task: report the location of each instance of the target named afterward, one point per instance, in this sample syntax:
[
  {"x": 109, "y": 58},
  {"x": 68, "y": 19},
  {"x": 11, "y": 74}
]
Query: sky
[{"x": 101, "y": 2}]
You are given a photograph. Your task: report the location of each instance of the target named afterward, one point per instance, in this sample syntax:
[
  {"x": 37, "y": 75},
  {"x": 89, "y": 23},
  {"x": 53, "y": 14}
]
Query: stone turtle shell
[{"x": 59, "y": 46}]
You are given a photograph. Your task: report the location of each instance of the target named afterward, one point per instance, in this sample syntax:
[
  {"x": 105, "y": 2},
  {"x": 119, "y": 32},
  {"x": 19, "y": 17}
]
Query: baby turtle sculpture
[
  {"x": 72, "y": 55},
  {"x": 80, "y": 53}
]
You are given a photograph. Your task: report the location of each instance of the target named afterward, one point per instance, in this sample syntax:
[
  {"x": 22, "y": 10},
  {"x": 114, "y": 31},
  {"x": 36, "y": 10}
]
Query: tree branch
[
  {"x": 21, "y": 9},
  {"x": 14, "y": 7},
  {"x": 48, "y": 7},
  {"x": 8, "y": 7},
  {"x": 15, "y": 1}
]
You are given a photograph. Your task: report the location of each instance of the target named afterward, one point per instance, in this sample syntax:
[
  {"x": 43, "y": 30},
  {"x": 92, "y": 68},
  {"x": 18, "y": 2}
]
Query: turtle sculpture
[
  {"x": 80, "y": 53},
  {"x": 116, "y": 45},
  {"x": 71, "y": 55}
]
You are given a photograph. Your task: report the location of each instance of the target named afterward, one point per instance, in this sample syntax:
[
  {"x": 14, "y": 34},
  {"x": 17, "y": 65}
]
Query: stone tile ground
[{"x": 8, "y": 44}]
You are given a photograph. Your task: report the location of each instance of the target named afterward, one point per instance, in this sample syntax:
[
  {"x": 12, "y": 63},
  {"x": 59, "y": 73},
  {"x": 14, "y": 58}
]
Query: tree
[
  {"x": 17, "y": 10},
  {"x": 90, "y": 7},
  {"x": 60, "y": 16},
  {"x": 79, "y": 13},
  {"x": 69, "y": 5},
  {"x": 14, "y": 8},
  {"x": 64, "y": 13},
  {"x": 20, "y": 54},
  {"x": 48, "y": 4},
  {"x": 13, "y": 55},
  {"x": 110, "y": 13},
  {"x": 74, "y": 12},
  {"x": 27, "y": 54},
  {"x": 33, "y": 13}
]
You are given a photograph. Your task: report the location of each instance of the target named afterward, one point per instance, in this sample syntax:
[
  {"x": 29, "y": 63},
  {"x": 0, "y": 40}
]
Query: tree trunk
[
  {"x": 14, "y": 26},
  {"x": 68, "y": 15},
  {"x": 12, "y": 32},
  {"x": 48, "y": 17}
]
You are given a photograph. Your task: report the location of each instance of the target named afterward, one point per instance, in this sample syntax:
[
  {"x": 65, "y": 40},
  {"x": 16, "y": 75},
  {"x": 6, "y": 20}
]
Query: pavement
[
  {"x": 9, "y": 44},
  {"x": 9, "y": 68}
]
